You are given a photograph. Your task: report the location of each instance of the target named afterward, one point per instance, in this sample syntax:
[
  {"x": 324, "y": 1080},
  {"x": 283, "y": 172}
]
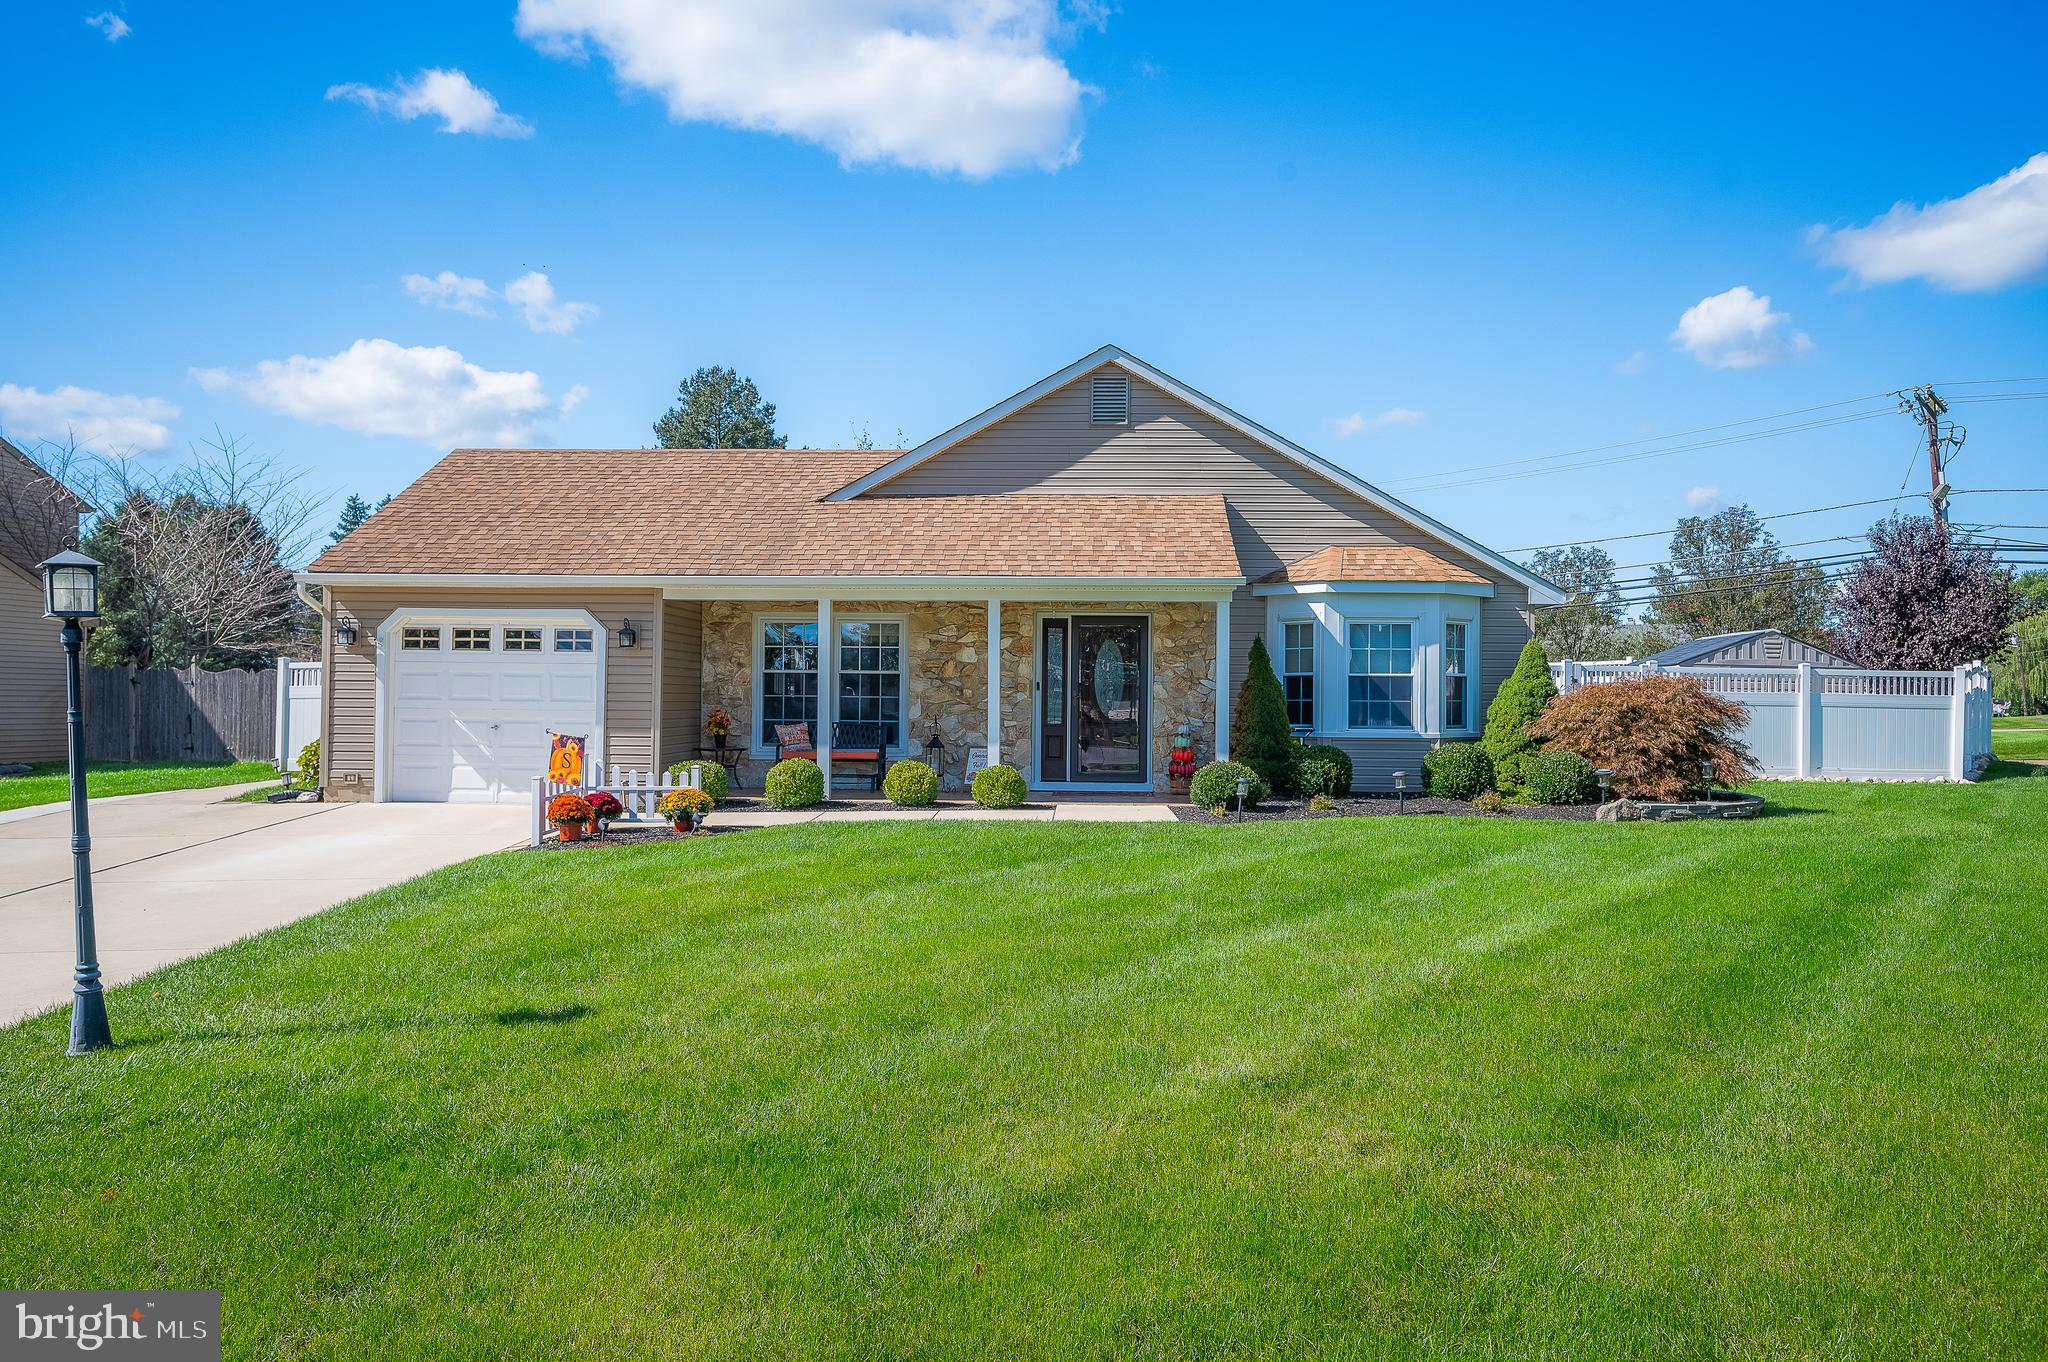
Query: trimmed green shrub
[
  {"x": 911, "y": 784},
  {"x": 1457, "y": 770},
  {"x": 1558, "y": 777},
  {"x": 1323, "y": 770},
  {"x": 712, "y": 777},
  {"x": 794, "y": 783},
  {"x": 998, "y": 787},
  {"x": 1517, "y": 704},
  {"x": 1489, "y": 801},
  {"x": 1215, "y": 785},
  {"x": 309, "y": 766},
  {"x": 1260, "y": 736}
]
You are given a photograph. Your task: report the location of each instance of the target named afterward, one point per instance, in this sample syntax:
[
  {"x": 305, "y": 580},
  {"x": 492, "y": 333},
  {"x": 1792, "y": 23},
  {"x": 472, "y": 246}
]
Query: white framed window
[
  {"x": 867, "y": 670},
  {"x": 522, "y": 640},
  {"x": 420, "y": 638},
  {"x": 1381, "y": 674},
  {"x": 1457, "y": 676},
  {"x": 466, "y": 638},
  {"x": 573, "y": 641},
  {"x": 1298, "y": 672}
]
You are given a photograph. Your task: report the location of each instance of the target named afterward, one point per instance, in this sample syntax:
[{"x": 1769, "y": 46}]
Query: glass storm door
[{"x": 1106, "y": 701}]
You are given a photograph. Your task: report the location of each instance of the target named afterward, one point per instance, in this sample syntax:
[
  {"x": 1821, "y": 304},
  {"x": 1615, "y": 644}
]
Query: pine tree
[
  {"x": 1259, "y": 733},
  {"x": 1515, "y": 706},
  {"x": 354, "y": 512},
  {"x": 717, "y": 409}
]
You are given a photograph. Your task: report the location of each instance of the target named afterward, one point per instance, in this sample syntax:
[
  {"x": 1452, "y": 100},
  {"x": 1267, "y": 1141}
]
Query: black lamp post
[{"x": 71, "y": 592}]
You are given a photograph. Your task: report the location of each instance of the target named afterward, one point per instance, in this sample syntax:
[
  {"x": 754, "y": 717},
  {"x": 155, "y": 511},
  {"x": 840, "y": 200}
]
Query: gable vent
[{"x": 1109, "y": 400}]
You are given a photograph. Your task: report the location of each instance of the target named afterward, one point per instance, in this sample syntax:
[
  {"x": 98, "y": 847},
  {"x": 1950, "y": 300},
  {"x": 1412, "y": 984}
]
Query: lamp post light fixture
[
  {"x": 628, "y": 636},
  {"x": 345, "y": 634},
  {"x": 1606, "y": 783},
  {"x": 1400, "y": 792},
  {"x": 71, "y": 592},
  {"x": 1244, "y": 792}
]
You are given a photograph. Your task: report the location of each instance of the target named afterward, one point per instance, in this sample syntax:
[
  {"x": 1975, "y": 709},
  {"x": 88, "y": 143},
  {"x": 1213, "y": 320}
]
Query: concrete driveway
[{"x": 179, "y": 873}]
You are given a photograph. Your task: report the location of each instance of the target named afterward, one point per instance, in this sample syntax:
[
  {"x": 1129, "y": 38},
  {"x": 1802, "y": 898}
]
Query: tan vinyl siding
[
  {"x": 31, "y": 673},
  {"x": 1279, "y": 511},
  {"x": 350, "y": 693},
  {"x": 682, "y": 680}
]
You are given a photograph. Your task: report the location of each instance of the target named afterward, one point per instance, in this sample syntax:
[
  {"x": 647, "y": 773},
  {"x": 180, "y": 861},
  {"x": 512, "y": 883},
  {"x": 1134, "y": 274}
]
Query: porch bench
[{"x": 851, "y": 742}]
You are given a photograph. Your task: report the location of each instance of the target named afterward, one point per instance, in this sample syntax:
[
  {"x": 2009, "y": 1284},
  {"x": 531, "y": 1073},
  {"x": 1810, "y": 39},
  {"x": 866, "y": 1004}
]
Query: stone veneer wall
[{"x": 946, "y": 672}]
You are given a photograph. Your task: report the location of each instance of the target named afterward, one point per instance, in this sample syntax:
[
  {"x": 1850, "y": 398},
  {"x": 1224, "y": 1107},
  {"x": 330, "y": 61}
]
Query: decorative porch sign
[
  {"x": 977, "y": 762},
  {"x": 565, "y": 759}
]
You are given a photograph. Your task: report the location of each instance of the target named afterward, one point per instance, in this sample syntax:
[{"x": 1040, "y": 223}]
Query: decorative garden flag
[{"x": 565, "y": 759}]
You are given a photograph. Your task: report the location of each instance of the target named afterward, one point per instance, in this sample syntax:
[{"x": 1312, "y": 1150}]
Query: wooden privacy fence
[
  {"x": 1840, "y": 723},
  {"x": 180, "y": 715}
]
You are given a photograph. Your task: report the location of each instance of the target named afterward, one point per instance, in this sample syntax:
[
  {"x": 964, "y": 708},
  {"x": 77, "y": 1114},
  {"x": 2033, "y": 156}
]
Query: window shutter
[{"x": 1109, "y": 400}]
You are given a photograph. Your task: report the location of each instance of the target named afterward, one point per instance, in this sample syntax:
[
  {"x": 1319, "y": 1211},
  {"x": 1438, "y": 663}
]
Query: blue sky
[{"x": 1416, "y": 244}]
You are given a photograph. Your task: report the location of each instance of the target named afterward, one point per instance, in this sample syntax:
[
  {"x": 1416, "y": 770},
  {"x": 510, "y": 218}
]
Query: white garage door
[{"x": 473, "y": 701}]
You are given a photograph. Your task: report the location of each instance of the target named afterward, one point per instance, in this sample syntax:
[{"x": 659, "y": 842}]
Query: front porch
[{"x": 1083, "y": 696}]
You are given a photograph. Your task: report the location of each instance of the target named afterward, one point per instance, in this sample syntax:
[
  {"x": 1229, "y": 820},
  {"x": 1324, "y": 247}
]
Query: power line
[{"x": 1781, "y": 515}]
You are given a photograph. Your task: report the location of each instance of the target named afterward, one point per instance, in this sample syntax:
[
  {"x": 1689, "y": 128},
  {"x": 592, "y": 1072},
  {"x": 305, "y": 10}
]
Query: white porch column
[
  {"x": 1223, "y": 679},
  {"x": 995, "y": 681},
  {"x": 828, "y": 689}
]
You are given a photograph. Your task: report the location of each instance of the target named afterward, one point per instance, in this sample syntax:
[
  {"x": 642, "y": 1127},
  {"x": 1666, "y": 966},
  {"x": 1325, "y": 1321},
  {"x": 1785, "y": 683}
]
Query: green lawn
[
  {"x": 2021, "y": 739},
  {"x": 1351, "y": 1088},
  {"x": 50, "y": 783}
]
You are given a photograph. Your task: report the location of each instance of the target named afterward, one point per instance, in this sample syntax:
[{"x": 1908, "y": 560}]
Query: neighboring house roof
[
  {"x": 1679, "y": 654},
  {"x": 36, "y": 510},
  {"x": 760, "y": 512},
  {"x": 1388, "y": 563},
  {"x": 1541, "y": 590}
]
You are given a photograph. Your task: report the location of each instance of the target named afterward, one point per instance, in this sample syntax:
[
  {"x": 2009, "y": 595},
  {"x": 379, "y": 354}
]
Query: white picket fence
[
  {"x": 1827, "y": 723},
  {"x": 638, "y": 791}
]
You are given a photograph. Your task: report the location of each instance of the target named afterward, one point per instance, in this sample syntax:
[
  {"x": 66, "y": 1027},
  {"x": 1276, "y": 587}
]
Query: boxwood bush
[
  {"x": 1457, "y": 770},
  {"x": 794, "y": 783},
  {"x": 1323, "y": 771},
  {"x": 1215, "y": 785},
  {"x": 712, "y": 777},
  {"x": 1559, "y": 778},
  {"x": 911, "y": 784},
  {"x": 998, "y": 787}
]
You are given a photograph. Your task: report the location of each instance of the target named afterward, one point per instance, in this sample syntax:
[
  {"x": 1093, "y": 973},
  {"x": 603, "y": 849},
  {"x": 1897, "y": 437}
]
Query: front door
[{"x": 1093, "y": 701}]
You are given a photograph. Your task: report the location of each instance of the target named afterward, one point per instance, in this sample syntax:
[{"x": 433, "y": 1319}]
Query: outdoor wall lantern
[
  {"x": 1606, "y": 783},
  {"x": 1400, "y": 792},
  {"x": 628, "y": 635},
  {"x": 935, "y": 748},
  {"x": 345, "y": 634},
  {"x": 71, "y": 592}
]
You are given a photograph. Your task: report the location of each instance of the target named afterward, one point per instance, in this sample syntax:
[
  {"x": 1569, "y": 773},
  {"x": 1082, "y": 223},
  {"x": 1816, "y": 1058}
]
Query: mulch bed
[
  {"x": 621, "y": 837},
  {"x": 1370, "y": 806}
]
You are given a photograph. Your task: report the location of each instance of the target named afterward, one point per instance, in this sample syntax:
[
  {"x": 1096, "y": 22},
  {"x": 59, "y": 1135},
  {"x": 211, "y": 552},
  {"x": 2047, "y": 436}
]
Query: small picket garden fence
[
  {"x": 637, "y": 791},
  {"x": 1839, "y": 723}
]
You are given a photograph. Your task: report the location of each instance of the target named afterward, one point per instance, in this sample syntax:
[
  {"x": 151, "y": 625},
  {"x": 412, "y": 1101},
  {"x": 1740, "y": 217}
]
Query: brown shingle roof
[
  {"x": 726, "y": 512},
  {"x": 1378, "y": 563}
]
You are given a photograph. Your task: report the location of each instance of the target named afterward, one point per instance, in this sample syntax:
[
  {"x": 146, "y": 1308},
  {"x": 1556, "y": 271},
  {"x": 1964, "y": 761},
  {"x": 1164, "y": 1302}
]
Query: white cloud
[
  {"x": 113, "y": 423},
  {"x": 1997, "y": 234},
  {"x": 427, "y": 393},
  {"x": 450, "y": 96},
  {"x": 1738, "y": 330},
  {"x": 1358, "y": 423},
  {"x": 1634, "y": 364},
  {"x": 967, "y": 87},
  {"x": 456, "y": 292},
  {"x": 535, "y": 297},
  {"x": 1703, "y": 498},
  {"x": 531, "y": 293},
  {"x": 111, "y": 24}
]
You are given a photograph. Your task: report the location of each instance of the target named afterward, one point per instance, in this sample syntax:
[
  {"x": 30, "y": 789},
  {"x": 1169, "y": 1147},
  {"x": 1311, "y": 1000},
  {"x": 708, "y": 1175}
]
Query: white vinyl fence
[
  {"x": 638, "y": 791},
  {"x": 1827, "y": 723},
  {"x": 298, "y": 710}
]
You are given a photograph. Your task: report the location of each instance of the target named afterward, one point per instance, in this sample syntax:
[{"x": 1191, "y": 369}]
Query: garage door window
[
  {"x": 414, "y": 639},
  {"x": 522, "y": 640},
  {"x": 572, "y": 640},
  {"x": 472, "y": 640}
]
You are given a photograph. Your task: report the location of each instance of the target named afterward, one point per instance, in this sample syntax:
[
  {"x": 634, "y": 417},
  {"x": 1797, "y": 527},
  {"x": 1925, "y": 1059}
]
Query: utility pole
[{"x": 1927, "y": 407}]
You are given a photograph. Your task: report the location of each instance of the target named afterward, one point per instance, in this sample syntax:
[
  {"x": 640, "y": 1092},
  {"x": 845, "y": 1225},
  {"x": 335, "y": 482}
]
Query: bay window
[
  {"x": 1382, "y": 675},
  {"x": 1457, "y": 696},
  {"x": 1298, "y": 672}
]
